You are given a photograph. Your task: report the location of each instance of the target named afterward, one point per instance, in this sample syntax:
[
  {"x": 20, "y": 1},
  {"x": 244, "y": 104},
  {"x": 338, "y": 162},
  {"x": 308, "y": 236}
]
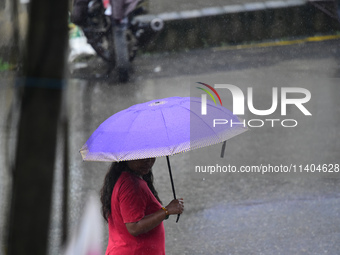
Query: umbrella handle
[
  {"x": 223, "y": 149},
  {"x": 172, "y": 183}
]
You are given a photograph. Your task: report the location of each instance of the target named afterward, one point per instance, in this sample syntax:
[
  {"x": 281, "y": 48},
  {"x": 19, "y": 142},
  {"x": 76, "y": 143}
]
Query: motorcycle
[{"x": 118, "y": 44}]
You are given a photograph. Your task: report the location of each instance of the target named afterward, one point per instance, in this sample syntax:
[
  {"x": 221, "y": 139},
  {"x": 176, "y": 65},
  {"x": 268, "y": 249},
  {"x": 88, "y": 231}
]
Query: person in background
[
  {"x": 79, "y": 12},
  {"x": 120, "y": 10}
]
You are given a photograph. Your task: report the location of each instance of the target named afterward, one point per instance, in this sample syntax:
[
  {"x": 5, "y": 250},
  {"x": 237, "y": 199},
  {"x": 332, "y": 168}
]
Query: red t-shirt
[{"x": 131, "y": 201}]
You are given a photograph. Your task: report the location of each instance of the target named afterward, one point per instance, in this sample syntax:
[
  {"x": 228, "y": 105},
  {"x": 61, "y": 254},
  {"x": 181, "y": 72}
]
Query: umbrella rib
[
  {"x": 122, "y": 146},
  {"x": 167, "y": 134},
  {"x": 203, "y": 121}
]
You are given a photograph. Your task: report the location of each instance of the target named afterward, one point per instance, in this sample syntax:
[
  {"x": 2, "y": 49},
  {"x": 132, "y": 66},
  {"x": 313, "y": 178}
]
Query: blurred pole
[
  {"x": 65, "y": 128},
  {"x": 41, "y": 85}
]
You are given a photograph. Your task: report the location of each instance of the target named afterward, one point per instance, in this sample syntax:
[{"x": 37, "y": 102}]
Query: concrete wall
[
  {"x": 213, "y": 26},
  {"x": 240, "y": 23}
]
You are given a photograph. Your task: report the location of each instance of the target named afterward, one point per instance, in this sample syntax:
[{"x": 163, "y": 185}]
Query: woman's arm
[{"x": 153, "y": 220}]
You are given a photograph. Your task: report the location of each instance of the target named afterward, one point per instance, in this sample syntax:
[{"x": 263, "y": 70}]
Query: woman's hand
[
  {"x": 152, "y": 220},
  {"x": 176, "y": 206}
]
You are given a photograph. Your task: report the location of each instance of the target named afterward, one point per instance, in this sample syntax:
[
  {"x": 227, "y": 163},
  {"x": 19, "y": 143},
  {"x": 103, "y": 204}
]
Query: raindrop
[{"x": 157, "y": 69}]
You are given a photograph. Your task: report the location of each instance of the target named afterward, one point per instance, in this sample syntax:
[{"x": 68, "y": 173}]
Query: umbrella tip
[{"x": 223, "y": 149}]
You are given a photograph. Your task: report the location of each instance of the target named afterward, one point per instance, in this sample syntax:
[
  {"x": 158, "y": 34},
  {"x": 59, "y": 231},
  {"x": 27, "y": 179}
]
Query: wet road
[
  {"x": 229, "y": 213},
  {"x": 235, "y": 213}
]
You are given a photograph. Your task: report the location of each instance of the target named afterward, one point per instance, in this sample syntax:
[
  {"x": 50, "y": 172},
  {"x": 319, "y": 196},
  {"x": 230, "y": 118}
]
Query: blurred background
[{"x": 56, "y": 89}]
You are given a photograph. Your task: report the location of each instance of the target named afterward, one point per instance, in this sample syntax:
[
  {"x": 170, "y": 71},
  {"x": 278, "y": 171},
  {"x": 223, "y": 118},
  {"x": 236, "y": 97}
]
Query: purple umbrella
[{"x": 161, "y": 127}]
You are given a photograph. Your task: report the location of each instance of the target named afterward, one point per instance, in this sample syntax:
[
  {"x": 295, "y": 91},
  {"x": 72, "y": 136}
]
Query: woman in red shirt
[{"x": 133, "y": 210}]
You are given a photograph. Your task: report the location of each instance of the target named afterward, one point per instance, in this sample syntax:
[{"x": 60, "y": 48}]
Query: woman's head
[{"x": 141, "y": 167}]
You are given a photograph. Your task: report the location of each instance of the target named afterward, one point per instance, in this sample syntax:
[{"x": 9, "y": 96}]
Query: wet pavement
[
  {"x": 226, "y": 213},
  {"x": 234, "y": 213}
]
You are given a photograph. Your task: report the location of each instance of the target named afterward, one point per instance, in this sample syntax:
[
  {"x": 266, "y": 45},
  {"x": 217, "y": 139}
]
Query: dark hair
[{"x": 110, "y": 180}]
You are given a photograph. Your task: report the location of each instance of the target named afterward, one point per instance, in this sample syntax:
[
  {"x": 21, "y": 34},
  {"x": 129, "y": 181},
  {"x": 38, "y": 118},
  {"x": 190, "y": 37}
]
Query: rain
[{"x": 274, "y": 189}]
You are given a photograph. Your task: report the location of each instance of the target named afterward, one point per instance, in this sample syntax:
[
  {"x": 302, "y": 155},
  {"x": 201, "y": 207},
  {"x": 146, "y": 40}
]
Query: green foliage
[{"x": 4, "y": 66}]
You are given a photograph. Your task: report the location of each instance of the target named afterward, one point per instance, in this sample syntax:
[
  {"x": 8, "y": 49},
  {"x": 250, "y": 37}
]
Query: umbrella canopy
[{"x": 161, "y": 127}]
